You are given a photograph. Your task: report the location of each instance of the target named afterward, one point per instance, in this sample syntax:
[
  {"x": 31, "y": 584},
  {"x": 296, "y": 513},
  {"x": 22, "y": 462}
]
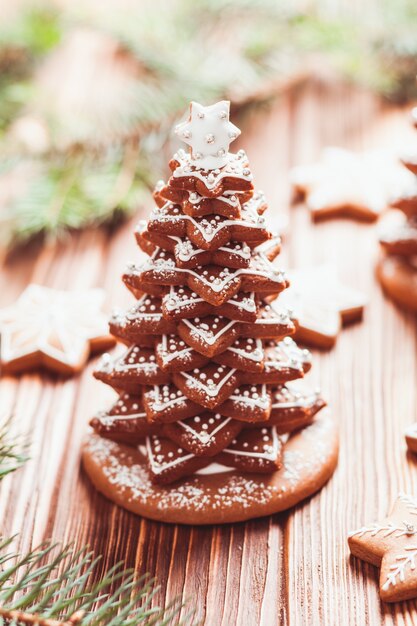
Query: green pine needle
[
  {"x": 54, "y": 583},
  {"x": 12, "y": 450}
]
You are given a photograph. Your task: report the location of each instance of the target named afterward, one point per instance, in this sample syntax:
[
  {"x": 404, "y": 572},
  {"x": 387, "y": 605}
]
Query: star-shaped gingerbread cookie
[
  {"x": 348, "y": 184},
  {"x": 209, "y": 133},
  {"x": 320, "y": 304},
  {"x": 54, "y": 329},
  {"x": 392, "y": 545}
]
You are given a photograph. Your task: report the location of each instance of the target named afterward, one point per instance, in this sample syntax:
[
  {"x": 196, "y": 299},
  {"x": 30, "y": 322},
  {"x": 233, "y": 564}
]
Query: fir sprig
[
  {"x": 74, "y": 191},
  {"x": 52, "y": 586}
]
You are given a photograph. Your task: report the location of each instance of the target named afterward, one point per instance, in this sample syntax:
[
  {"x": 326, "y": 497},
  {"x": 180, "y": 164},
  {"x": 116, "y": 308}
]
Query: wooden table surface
[{"x": 291, "y": 568}]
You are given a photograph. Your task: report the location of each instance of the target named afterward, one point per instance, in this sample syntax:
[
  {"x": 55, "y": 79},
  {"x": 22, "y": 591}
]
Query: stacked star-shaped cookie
[{"x": 206, "y": 375}]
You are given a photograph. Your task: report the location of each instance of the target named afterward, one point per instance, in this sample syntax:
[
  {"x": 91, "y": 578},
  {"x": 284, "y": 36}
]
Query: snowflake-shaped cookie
[{"x": 54, "y": 329}]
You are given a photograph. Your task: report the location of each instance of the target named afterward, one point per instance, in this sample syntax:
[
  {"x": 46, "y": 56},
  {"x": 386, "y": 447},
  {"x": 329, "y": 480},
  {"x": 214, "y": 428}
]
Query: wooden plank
[{"x": 291, "y": 568}]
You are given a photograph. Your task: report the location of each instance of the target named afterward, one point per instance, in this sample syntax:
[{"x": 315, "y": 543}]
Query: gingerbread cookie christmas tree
[{"x": 215, "y": 430}]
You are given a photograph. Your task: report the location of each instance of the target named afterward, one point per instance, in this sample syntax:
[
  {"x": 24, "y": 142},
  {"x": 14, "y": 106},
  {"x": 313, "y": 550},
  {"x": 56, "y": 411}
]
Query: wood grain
[{"x": 291, "y": 568}]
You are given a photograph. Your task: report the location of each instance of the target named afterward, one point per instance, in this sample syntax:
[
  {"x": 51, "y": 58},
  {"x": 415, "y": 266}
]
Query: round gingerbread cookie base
[
  {"x": 119, "y": 472},
  {"x": 399, "y": 281}
]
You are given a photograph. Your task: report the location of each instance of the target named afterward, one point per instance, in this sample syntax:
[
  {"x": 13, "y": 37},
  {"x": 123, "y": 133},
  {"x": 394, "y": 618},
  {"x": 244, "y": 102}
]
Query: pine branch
[
  {"x": 52, "y": 586},
  {"x": 244, "y": 51},
  {"x": 73, "y": 192}
]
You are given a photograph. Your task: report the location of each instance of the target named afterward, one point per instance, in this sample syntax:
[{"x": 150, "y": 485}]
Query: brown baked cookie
[
  {"x": 174, "y": 355},
  {"x": 234, "y": 176},
  {"x": 183, "y": 302},
  {"x": 248, "y": 403},
  {"x": 213, "y": 283},
  {"x": 284, "y": 361},
  {"x": 211, "y": 232},
  {"x": 125, "y": 421},
  {"x": 138, "y": 366},
  {"x": 397, "y": 272},
  {"x": 398, "y": 277},
  {"x": 205, "y": 434},
  {"x": 292, "y": 409},
  {"x": 233, "y": 254},
  {"x": 193, "y": 204},
  {"x": 391, "y": 544},
  {"x": 245, "y": 353},
  {"x": 144, "y": 318},
  {"x": 208, "y": 386},
  {"x": 214, "y": 495},
  {"x": 167, "y": 461},
  {"x": 257, "y": 450},
  {"x": 212, "y": 384},
  {"x": 167, "y": 403},
  {"x": 211, "y": 335}
]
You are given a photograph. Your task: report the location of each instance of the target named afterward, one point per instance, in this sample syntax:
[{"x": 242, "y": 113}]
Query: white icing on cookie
[
  {"x": 136, "y": 358},
  {"x": 175, "y": 300},
  {"x": 204, "y": 436},
  {"x": 158, "y": 462},
  {"x": 257, "y": 396},
  {"x": 198, "y": 380},
  {"x": 256, "y": 354},
  {"x": 166, "y": 396},
  {"x": 206, "y": 332},
  {"x": 269, "y": 451},
  {"x": 228, "y": 197}
]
